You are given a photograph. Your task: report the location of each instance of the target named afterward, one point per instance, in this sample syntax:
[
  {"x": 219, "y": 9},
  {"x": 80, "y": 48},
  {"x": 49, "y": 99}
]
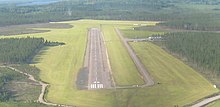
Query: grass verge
[
  {"x": 137, "y": 34},
  {"x": 214, "y": 104},
  {"x": 121, "y": 63},
  {"x": 179, "y": 84},
  {"x": 59, "y": 65}
]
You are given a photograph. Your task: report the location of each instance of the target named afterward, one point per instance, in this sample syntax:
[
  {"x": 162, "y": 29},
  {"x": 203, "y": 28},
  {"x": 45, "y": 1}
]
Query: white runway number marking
[{"x": 96, "y": 86}]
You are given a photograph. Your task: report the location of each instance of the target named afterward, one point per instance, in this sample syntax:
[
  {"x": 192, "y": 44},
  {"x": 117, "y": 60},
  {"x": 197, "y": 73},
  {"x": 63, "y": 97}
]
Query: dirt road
[
  {"x": 43, "y": 89},
  {"x": 146, "y": 76},
  {"x": 99, "y": 71}
]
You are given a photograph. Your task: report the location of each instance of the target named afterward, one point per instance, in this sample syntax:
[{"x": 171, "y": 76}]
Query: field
[
  {"x": 25, "y": 29},
  {"x": 214, "y": 104},
  {"x": 135, "y": 34},
  {"x": 59, "y": 65},
  {"x": 161, "y": 66},
  {"x": 120, "y": 59}
]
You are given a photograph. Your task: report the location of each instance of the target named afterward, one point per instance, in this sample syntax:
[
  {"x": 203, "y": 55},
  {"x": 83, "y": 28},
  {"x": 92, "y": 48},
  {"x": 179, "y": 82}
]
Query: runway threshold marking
[{"x": 96, "y": 85}]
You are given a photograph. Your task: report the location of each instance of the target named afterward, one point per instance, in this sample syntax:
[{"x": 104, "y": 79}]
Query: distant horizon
[
  {"x": 40, "y": 2},
  {"x": 24, "y": 1}
]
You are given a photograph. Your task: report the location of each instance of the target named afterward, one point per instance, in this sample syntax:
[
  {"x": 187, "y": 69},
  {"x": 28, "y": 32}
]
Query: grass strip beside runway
[{"x": 123, "y": 68}]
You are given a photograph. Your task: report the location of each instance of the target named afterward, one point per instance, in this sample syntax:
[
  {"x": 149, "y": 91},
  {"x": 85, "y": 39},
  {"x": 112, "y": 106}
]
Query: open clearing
[
  {"x": 28, "y": 28},
  {"x": 59, "y": 65}
]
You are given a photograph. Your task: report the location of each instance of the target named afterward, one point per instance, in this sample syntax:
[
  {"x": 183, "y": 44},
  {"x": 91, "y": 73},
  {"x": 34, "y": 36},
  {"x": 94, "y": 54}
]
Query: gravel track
[{"x": 41, "y": 98}]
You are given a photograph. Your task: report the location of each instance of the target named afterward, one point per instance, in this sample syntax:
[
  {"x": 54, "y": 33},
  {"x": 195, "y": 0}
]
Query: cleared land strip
[
  {"x": 146, "y": 76},
  {"x": 97, "y": 61},
  {"x": 41, "y": 98}
]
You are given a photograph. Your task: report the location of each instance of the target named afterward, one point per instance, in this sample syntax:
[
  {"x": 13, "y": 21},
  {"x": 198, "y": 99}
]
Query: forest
[
  {"x": 19, "y": 50},
  {"x": 15, "y": 89},
  {"x": 22, "y": 50},
  {"x": 202, "y": 22},
  {"x": 201, "y": 48},
  {"x": 187, "y": 14}
]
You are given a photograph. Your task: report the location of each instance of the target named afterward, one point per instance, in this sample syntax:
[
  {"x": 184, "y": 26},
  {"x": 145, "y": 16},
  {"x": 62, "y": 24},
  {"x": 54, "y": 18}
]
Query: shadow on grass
[{"x": 37, "y": 57}]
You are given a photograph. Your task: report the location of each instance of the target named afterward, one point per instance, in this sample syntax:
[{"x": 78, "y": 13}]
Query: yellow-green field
[
  {"x": 121, "y": 63},
  {"x": 179, "y": 84},
  {"x": 134, "y": 34},
  {"x": 214, "y": 104}
]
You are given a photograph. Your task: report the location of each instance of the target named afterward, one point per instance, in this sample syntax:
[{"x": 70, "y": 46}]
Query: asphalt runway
[{"x": 97, "y": 61}]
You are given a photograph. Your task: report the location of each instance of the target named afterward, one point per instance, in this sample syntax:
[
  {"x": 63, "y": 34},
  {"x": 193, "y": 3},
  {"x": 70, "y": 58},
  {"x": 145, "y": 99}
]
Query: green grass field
[
  {"x": 179, "y": 84},
  {"x": 214, "y": 104},
  {"x": 59, "y": 66},
  {"x": 135, "y": 34},
  {"x": 121, "y": 63}
]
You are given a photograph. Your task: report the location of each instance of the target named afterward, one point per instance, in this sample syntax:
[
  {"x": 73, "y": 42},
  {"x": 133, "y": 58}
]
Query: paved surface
[
  {"x": 206, "y": 101},
  {"x": 97, "y": 61},
  {"x": 137, "y": 40},
  {"x": 145, "y": 75}
]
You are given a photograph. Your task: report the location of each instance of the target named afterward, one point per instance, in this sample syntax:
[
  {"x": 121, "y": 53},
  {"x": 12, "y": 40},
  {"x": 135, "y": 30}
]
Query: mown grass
[
  {"x": 179, "y": 84},
  {"x": 214, "y": 104},
  {"x": 59, "y": 66},
  {"x": 136, "y": 34},
  {"x": 121, "y": 63}
]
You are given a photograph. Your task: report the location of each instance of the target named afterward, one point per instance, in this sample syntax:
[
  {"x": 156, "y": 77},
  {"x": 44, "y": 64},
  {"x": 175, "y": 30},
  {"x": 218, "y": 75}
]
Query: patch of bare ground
[{"x": 27, "y": 28}]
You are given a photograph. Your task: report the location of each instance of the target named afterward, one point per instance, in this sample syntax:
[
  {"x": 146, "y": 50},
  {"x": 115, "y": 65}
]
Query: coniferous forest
[
  {"x": 19, "y": 50},
  {"x": 201, "y": 48},
  {"x": 180, "y": 14}
]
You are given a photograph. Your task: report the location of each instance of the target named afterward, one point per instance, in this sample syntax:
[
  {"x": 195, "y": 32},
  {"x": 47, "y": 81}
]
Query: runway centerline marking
[{"x": 99, "y": 71}]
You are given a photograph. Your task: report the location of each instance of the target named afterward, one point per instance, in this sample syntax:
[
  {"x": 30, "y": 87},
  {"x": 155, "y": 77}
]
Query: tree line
[
  {"x": 158, "y": 10},
  {"x": 203, "y": 22},
  {"x": 201, "y": 48},
  {"x": 18, "y": 50}
]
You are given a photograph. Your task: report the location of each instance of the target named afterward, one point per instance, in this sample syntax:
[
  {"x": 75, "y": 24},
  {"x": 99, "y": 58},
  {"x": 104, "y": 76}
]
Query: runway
[{"x": 97, "y": 61}]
